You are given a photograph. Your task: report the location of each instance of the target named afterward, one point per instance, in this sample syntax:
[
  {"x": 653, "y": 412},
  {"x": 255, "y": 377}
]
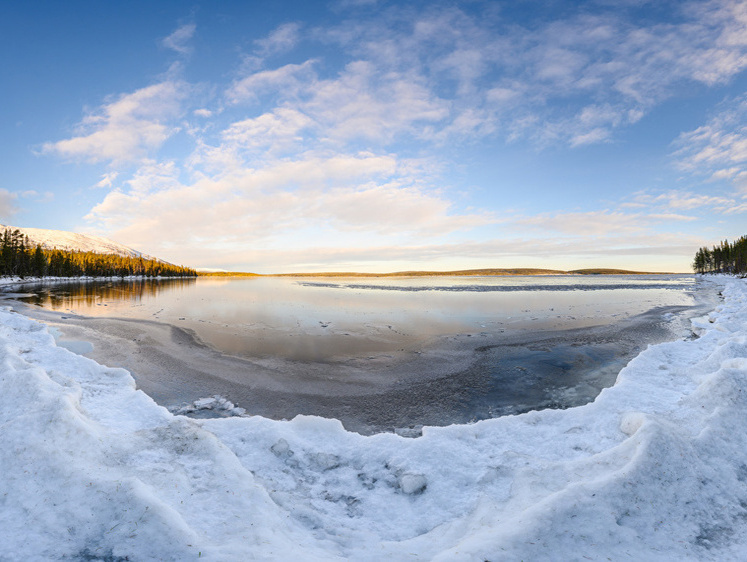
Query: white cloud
[
  {"x": 107, "y": 179},
  {"x": 355, "y": 3},
  {"x": 126, "y": 128},
  {"x": 7, "y": 204},
  {"x": 282, "y": 40},
  {"x": 315, "y": 152},
  {"x": 179, "y": 39},
  {"x": 600, "y": 223},
  {"x": 392, "y": 209},
  {"x": 670, "y": 217},
  {"x": 443, "y": 73},
  {"x": 667, "y": 205},
  {"x": 595, "y": 135},
  {"x": 271, "y": 131},
  {"x": 287, "y": 81},
  {"x": 45, "y": 197},
  {"x": 526, "y": 81},
  {"x": 718, "y": 149},
  {"x": 361, "y": 103},
  {"x": 735, "y": 209},
  {"x": 686, "y": 200},
  {"x": 365, "y": 194}
]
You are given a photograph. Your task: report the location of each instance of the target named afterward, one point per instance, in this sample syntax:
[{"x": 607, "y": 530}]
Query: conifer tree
[
  {"x": 724, "y": 258},
  {"x": 19, "y": 259}
]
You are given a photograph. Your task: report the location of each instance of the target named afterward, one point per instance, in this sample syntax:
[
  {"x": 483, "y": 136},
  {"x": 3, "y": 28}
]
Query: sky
[{"x": 366, "y": 135}]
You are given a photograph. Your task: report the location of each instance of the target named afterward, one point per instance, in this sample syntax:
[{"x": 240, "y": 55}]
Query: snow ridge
[
  {"x": 654, "y": 469},
  {"x": 72, "y": 241}
]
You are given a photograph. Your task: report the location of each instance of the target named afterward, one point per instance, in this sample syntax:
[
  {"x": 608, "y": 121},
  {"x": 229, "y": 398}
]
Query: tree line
[
  {"x": 18, "y": 258},
  {"x": 723, "y": 258}
]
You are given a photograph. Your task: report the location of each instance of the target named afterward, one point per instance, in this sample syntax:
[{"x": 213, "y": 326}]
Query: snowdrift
[{"x": 654, "y": 469}]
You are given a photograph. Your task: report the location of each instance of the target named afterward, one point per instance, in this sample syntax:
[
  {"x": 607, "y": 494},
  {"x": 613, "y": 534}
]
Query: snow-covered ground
[{"x": 654, "y": 469}]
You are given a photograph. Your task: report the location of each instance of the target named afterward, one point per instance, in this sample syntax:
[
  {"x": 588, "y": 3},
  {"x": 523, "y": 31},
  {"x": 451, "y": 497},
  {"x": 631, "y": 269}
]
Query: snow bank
[{"x": 654, "y": 469}]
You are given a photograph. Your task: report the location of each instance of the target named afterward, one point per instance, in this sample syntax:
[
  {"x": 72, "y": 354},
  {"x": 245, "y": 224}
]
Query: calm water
[
  {"x": 315, "y": 319},
  {"x": 379, "y": 353}
]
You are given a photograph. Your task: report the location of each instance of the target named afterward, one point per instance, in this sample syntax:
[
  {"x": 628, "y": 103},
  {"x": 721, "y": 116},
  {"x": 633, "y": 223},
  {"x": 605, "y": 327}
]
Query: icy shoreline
[
  {"x": 654, "y": 469},
  {"x": 369, "y": 364}
]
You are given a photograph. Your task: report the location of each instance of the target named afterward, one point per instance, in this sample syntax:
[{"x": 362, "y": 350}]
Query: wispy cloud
[
  {"x": 44, "y": 197},
  {"x": 350, "y": 147},
  {"x": 179, "y": 40},
  {"x": 8, "y": 206},
  {"x": 126, "y": 128},
  {"x": 718, "y": 149},
  {"x": 107, "y": 180},
  {"x": 287, "y": 82},
  {"x": 281, "y": 40},
  {"x": 572, "y": 81},
  {"x": 600, "y": 223}
]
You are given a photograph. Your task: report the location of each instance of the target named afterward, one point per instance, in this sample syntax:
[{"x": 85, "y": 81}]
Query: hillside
[
  {"x": 73, "y": 241},
  {"x": 463, "y": 272}
]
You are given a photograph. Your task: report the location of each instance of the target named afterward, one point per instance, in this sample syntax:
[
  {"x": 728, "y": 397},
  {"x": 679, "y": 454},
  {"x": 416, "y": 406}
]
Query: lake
[{"x": 377, "y": 353}]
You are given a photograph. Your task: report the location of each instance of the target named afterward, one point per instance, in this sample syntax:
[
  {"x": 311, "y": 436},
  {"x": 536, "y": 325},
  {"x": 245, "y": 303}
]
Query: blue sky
[{"x": 378, "y": 136}]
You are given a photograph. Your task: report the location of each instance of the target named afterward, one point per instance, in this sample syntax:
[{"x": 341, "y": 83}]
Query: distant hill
[
  {"x": 461, "y": 272},
  {"x": 73, "y": 241},
  {"x": 602, "y": 271}
]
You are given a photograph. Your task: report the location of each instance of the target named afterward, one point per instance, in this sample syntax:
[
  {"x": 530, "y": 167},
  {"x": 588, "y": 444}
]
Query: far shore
[{"x": 457, "y": 273}]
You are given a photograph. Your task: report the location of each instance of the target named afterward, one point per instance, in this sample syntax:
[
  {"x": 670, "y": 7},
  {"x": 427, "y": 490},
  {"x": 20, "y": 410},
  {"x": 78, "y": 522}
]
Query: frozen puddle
[
  {"x": 653, "y": 469},
  {"x": 80, "y": 347}
]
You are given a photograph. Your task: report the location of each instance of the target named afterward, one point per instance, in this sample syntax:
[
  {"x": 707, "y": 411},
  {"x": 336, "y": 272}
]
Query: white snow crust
[{"x": 654, "y": 469}]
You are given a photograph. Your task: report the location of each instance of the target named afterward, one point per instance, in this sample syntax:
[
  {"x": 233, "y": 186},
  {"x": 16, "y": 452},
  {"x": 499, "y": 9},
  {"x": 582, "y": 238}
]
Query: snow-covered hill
[{"x": 72, "y": 241}]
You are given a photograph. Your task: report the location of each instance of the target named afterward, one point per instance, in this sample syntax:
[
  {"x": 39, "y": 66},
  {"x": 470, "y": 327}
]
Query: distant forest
[
  {"x": 18, "y": 258},
  {"x": 723, "y": 258}
]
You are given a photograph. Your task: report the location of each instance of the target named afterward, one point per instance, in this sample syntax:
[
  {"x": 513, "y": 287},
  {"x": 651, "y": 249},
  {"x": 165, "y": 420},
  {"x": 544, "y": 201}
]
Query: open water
[{"x": 377, "y": 353}]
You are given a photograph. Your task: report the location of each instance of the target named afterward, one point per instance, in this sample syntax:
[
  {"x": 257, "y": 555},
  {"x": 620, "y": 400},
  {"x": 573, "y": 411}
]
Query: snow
[
  {"x": 654, "y": 469},
  {"x": 73, "y": 241},
  {"x": 213, "y": 406}
]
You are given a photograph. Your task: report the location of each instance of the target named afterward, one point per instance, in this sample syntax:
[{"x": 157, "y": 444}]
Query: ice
[
  {"x": 654, "y": 469},
  {"x": 212, "y": 406},
  {"x": 412, "y": 483}
]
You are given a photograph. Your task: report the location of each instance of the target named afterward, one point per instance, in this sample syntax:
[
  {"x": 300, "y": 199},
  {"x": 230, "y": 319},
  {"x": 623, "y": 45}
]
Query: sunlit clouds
[
  {"x": 343, "y": 141},
  {"x": 126, "y": 128}
]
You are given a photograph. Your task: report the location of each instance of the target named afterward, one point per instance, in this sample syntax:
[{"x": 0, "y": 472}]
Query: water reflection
[
  {"x": 88, "y": 294},
  {"x": 376, "y": 354},
  {"x": 321, "y": 320}
]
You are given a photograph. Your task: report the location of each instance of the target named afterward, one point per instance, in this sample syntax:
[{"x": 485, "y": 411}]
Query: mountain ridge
[{"x": 50, "y": 239}]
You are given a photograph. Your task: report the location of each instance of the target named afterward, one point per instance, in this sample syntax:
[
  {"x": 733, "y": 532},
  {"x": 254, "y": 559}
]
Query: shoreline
[
  {"x": 492, "y": 272},
  {"x": 439, "y": 381}
]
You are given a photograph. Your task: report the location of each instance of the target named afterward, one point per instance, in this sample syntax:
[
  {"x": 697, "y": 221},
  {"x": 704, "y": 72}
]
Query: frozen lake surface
[{"x": 376, "y": 353}]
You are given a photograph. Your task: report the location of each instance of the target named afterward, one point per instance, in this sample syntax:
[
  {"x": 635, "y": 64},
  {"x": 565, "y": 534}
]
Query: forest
[
  {"x": 18, "y": 258},
  {"x": 723, "y": 258}
]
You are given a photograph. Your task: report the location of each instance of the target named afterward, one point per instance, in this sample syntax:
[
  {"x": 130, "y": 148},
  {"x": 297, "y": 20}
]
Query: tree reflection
[{"x": 91, "y": 293}]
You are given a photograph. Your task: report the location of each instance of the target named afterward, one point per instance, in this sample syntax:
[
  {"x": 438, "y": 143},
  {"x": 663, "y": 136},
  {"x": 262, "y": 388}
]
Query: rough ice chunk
[{"x": 412, "y": 483}]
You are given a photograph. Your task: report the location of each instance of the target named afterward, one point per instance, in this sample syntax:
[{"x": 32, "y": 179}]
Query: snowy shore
[{"x": 654, "y": 469}]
